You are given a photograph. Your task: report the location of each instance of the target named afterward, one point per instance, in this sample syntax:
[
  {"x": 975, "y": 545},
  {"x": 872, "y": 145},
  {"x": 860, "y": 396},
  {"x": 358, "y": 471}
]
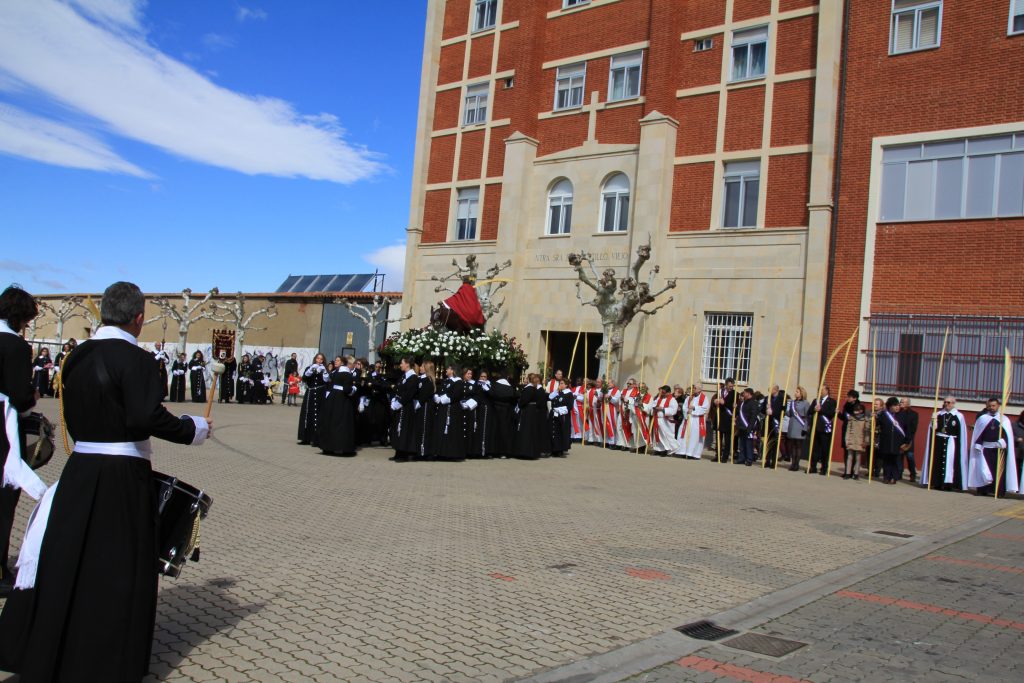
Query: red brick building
[{"x": 714, "y": 127}]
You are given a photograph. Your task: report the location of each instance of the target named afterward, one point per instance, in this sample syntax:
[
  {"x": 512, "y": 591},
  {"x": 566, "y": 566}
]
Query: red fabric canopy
[{"x": 465, "y": 308}]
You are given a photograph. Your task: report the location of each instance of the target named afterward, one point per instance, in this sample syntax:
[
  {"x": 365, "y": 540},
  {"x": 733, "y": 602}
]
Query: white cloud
[
  {"x": 218, "y": 41},
  {"x": 117, "y": 77},
  {"x": 389, "y": 260},
  {"x": 251, "y": 13},
  {"x": 31, "y": 137}
]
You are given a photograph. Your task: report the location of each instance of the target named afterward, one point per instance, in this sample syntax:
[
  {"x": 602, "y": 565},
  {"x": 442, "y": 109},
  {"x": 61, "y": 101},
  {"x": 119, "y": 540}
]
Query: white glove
[
  {"x": 553, "y": 395},
  {"x": 444, "y": 400},
  {"x": 395, "y": 405},
  {"x": 561, "y": 410},
  {"x": 1001, "y": 443},
  {"x": 415, "y": 404},
  {"x": 469, "y": 404},
  {"x": 579, "y": 398}
]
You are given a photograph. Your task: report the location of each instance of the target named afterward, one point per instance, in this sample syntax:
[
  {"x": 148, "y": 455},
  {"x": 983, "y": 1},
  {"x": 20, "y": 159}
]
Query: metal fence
[{"x": 909, "y": 348}]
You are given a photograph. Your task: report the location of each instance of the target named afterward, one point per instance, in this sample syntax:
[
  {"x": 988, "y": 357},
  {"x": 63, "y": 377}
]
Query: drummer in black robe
[
  {"x": 162, "y": 359},
  {"x": 423, "y": 420},
  {"x": 449, "y": 422},
  {"x": 41, "y": 367},
  {"x": 502, "y": 396},
  {"x": 227, "y": 380},
  {"x": 178, "y": 370},
  {"x": 531, "y": 430},
  {"x": 197, "y": 377},
  {"x": 242, "y": 388},
  {"x": 403, "y": 412},
  {"x": 337, "y": 419},
  {"x": 472, "y": 426},
  {"x": 85, "y": 603},
  {"x": 315, "y": 377},
  {"x": 559, "y": 421}
]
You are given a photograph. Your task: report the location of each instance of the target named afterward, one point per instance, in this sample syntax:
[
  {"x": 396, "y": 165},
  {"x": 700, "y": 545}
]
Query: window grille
[
  {"x": 727, "y": 341},
  {"x": 909, "y": 349}
]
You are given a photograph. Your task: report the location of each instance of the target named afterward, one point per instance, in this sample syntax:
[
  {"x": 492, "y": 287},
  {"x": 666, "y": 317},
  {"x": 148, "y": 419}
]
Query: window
[
  {"x": 1016, "y": 16},
  {"x": 569, "y": 86},
  {"x": 465, "y": 213},
  {"x": 916, "y": 25},
  {"x": 476, "y": 104},
  {"x": 742, "y": 181},
  {"x": 624, "y": 78},
  {"x": 574, "y": 3},
  {"x": 486, "y": 14},
  {"x": 560, "y": 208},
  {"x": 963, "y": 178},
  {"x": 749, "y": 53},
  {"x": 726, "y": 347},
  {"x": 615, "y": 204},
  {"x": 909, "y": 348},
  {"x": 703, "y": 44}
]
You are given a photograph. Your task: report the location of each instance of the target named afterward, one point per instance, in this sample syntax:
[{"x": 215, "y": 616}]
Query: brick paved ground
[
  {"x": 327, "y": 569},
  {"x": 954, "y": 615}
]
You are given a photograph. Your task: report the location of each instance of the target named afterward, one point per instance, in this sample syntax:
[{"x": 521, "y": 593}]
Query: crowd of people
[
  {"x": 460, "y": 413},
  {"x": 244, "y": 381}
]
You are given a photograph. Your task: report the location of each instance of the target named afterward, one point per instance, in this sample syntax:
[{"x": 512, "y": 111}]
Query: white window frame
[
  {"x": 620, "y": 220},
  {"x": 475, "y": 104},
  {"x": 703, "y": 44},
  {"x": 743, "y": 176},
  {"x": 915, "y": 11},
  {"x": 567, "y": 4},
  {"x": 747, "y": 38},
  {"x": 467, "y": 208},
  {"x": 734, "y": 334},
  {"x": 489, "y": 7},
  {"x": 1016, "y": 10},
  {"x": 565, "y": 77},
  {"x": 925, "y": 154},
  {"x": 626, "y": 62},
  {"x": 562, "y": 200}
]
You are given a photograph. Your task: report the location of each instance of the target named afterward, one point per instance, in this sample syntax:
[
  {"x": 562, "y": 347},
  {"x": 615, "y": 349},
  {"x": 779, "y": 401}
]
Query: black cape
[
  {"x": 309, "y": 414},
  {"x": 337, "y": 417}
]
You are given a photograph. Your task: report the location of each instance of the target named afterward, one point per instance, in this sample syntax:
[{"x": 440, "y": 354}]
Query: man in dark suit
[
  {"x": 824, "y": 410},
  {"x": 908, "y": 418}
]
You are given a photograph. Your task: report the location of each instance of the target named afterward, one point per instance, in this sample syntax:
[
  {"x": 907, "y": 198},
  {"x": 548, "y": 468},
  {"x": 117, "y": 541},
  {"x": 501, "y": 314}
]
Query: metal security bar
[
  {"x": 727, "y": 341},
  {"x": 910, "y": 346}
]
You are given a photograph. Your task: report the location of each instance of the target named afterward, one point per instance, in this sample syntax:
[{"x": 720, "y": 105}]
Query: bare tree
[
  {"x": 370, "y": 315},
  {"x": 485, "y": 291},
  {"x": 618, "y": 301},
  {"x": 64, "y": 310},
  {"x": 234, "y": 312},
  {"x": 91, "y": 312},
  {"x": 189, "y": 312}
]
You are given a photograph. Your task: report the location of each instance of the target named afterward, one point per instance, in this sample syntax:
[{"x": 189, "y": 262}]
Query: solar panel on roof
[{"x": 326, "y": 283}]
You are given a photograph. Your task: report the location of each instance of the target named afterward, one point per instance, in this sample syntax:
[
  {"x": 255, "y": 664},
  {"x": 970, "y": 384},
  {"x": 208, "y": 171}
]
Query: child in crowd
[
  {"x": 858, "y": 437},
  {"x": 293, "y": 388}
]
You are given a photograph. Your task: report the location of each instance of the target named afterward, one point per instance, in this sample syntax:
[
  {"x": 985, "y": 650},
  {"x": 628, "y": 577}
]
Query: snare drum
[
  {"x": 180, "y": 508},
  {"x": 37, "y": 453}
]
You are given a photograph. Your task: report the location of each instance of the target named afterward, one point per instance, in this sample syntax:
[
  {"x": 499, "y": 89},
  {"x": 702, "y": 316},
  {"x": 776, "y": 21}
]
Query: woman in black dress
[
  {"x": 471, "y": 417},
  {"x": 423, "y": 419},
  {"x": 377, "y": 411},
  {"x": 178, "y": 369},
  {"x": 449, "y": 422},
  {"x": 484, "y": 433},
  {"x": 242, "y": 386},
  {"x": 41, "y": 367},
  {"x": 227, "y": 382},
  {"x": 197, "y": 377},
  {"x": 559, "y": 422},
  {"x": 531, "y": 431},
  {"x": 316, "y": 377},
  {"x": 337, "y": 416},
  {"x": 502, "y": 398}
]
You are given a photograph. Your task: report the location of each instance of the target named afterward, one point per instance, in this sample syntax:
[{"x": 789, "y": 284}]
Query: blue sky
[{"x": 202, "y": 143}]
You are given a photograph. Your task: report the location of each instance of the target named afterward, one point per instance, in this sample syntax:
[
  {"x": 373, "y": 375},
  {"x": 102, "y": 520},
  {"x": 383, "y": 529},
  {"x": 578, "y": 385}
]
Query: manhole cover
[
  {"x": 705, "y": 630},
  {"x": 893, "y": 533},
  {"x": 769, "y": 646}
]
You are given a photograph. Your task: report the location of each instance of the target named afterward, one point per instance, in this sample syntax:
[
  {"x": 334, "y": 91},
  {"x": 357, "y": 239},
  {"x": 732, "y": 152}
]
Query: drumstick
[{"x": 217, "y": 368}]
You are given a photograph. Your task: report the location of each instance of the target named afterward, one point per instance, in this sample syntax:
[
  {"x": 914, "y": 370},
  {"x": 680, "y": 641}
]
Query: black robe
[
  {"x": 376, "y": 411},
  {"x": 337, "y": 416},
  {"x": 503, "y": 424},
  {"x": 16, "y": 383},
  {"x": 532, "y": 438},
  {"x": 423, "y": 421},
  {"x": 41, "y": 374},
  {"x": 560, "y": 426},
  {"x": 243, "y": 390},
  {"x": 227, "y": 380},
  {"x": 450, "y": 421},
  {"x": 197, "y": 380},
  {"x": 473, "y": 420},
  {"x": 403, "y": 409},
  {"x": 483, "y": 433},
  {"x": 309, "y": 414},
  {"x": 948, "y": 424},
  {"x": 161, "y": 359},
  {"x": 92, "y": 612},
  {"x": 178, "y": 371},
  {"x": 257, "y": 388}
]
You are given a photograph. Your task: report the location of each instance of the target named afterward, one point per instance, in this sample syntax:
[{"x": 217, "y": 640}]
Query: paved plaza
[{"x": 319, "y": 568}]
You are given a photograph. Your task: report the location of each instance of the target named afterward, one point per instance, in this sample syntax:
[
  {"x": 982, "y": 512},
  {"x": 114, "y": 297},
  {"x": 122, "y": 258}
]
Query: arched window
[
  {"x": 560, "y": 208},
  {"x": 615, "y": 204}
]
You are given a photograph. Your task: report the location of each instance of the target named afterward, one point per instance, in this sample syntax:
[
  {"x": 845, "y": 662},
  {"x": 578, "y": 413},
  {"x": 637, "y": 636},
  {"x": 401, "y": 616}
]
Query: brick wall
[
  {"x": 744, "y": 119},
  {"x": 698, "y": 124},
  {"x": 691, "y": 197},
  {"x": 788, "y": 189},
  {"x": 492, "y": 204},
  {"x": 435, "y": 216}
]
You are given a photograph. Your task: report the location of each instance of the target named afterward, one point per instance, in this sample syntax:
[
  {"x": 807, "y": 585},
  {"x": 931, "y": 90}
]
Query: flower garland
[{"x": 475, "y": 349}]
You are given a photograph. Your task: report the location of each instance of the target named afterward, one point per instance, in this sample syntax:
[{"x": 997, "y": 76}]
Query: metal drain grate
[
  {"x": 770, "y": 646},
  {"x": 893, "y": 533},
  {"x": 705, "y": 630}
]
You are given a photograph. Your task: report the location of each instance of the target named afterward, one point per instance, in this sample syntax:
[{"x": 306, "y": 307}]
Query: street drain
[
  {"x": 705, "y": 630},
  {"x": 770, "y": 646},
  {"x": 563, "y": 567},
  {"x": 893, "y": 533}
]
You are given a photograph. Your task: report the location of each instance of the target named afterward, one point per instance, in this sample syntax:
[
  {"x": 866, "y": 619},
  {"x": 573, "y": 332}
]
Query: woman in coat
[
  {"x": 197, "y": 377},
  {"x": 41, "y": 367},
  {"x": 502, "y": 398},
  {"x": 337, "y": 428},
  {"x": 531, "y": 430},
  {"x": 316, "y": 377},
  {"x": 449, "y": 421},
  {"x": 799, "y": 426},
  {"x": 423, "y": 419}
]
